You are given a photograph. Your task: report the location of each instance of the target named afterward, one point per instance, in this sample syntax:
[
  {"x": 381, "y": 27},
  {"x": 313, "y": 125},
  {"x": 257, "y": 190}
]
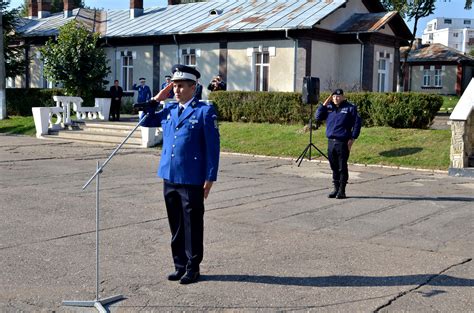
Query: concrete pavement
[{"x": 402, "y": 241}]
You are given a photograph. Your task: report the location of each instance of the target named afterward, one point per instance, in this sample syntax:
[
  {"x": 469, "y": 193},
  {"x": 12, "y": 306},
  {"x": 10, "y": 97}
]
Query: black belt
[{"x": 338, "y": 140}]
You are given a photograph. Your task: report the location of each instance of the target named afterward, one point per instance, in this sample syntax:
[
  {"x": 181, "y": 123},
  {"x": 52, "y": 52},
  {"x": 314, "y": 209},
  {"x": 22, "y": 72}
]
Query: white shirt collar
[{"x": 186, "y": 104}]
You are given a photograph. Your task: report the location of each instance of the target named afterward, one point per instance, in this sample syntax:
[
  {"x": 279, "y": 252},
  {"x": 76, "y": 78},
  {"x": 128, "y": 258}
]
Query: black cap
[
  {"x": 338, "y": 92},
  {"x": 183, "y": 72},
  {"x": 141, "y": 78},
  {"x": 167, "y": 76}
]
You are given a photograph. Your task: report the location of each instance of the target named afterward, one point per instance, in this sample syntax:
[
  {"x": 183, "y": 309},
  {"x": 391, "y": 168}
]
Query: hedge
[
  {"x": 398, "y": 110},
  {"x": 21, "y": 100}
]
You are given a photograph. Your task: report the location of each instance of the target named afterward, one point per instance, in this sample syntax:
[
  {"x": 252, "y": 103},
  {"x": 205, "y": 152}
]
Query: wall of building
[
  {"x": 240, "y": 69},
  {"x": 142, "y": 63},
  {"x": 341, "y": 15},
  {"x": 448, "y": 78},
  {"x": 207, "y": 61}
]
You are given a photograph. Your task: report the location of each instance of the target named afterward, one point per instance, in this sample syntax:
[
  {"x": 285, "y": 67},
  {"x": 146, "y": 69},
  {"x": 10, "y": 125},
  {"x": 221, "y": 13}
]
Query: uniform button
[
  {"x": 195, "y": 158},
  {"x": 192, "y": 126},
  {"x": 172, "y": 155},
  {"x": 174, "y": 146},
  {"x": 177, "y": 128},
  {"x": 175, "y": 137}
]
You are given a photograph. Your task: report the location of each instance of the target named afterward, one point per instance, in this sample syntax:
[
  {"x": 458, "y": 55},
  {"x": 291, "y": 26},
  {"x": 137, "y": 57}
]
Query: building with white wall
[
  {"x": 456, "y": 33},
  {"x": 261, "y": 45}
]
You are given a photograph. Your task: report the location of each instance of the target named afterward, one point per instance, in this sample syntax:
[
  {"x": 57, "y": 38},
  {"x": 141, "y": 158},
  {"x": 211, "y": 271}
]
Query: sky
[{"x": 444, "y": 8}]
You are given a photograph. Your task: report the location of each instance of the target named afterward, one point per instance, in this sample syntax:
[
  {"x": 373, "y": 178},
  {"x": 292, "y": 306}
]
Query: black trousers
[
  {"x": 115, "y": 109},
  {"x": 185, "y": 208},
  {"x": 338, "y": 154}
]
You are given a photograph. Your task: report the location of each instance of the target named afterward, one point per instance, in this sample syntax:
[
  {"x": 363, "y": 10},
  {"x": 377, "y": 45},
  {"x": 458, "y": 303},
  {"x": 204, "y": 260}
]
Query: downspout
[
  {"x": 295, "y": 57},
  {"x": 361, "y": 59},
  {"x": 177, "y": 47}
]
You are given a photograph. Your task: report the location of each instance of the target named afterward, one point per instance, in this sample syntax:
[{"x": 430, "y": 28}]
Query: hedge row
[
  {"x": 399, "y": 110},
  {"x": 21, "y": 100}
]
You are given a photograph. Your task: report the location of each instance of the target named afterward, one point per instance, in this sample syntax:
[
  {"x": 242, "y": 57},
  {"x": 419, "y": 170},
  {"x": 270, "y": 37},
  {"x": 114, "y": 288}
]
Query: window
[
  {"x": 437, "y": 77},
  {"x": 448, "y": 21},
  {"x": 189, "y": 57},
  {"x": 430, "y": 27},
  {"x": 127, "y": 70},
  {"x": 262, "y": 65},
  {"x": 467, "y": 22},
  {"x": 455, "y": 35},
  {"x": 426, "y": 77},
  {"x": 430, "y": 36},
  {"x": 382, "y": 81}
]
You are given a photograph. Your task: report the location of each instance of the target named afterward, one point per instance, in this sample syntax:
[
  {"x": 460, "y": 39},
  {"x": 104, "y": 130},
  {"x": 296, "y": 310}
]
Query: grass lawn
[
  {"x": 18, "y": 125},
  {"x": 377, "y": 145},
  {"x": 449, "y": 102}
]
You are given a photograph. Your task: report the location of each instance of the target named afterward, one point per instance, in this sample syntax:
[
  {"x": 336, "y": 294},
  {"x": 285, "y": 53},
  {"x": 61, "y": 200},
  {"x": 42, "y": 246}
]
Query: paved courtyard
[{"x": 402, "y": 241}]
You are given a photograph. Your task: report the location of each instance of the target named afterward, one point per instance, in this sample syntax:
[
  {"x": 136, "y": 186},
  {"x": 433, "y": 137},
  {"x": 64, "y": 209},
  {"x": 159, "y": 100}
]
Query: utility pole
[{"x": 3, "y": 100}]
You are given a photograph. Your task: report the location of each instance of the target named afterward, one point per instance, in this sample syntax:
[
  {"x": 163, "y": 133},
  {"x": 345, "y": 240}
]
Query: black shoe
[
  {"x": 341, "y": 194},
  {"x": 176, "y": 275},
  {"x": 334, "y": 192},
  {"x": 189, "y": 278}
]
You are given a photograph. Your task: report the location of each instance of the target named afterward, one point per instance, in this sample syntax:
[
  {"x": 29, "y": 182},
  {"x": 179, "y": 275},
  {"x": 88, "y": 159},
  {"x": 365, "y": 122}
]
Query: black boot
[
  {"x": 341, "y": 194},
  {"x": 335, "y": 190}
]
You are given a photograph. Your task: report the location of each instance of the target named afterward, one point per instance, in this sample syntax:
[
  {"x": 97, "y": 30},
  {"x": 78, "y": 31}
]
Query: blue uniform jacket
[
  {"x": 342, "y": 122},
  {"x": 191, "y": 142},
  {"x": 144, "y": 93}
]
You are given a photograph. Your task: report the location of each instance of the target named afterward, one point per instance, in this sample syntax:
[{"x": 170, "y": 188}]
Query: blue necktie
[{"x": 180, "y": 110}]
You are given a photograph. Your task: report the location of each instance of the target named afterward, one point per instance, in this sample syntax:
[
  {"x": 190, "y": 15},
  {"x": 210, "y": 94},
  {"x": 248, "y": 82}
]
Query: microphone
[{"x": 145, "y": 106}]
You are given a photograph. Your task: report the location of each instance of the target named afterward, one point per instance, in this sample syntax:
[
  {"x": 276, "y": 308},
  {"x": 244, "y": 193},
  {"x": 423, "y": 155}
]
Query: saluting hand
[
  {"x": 163, "y": 94},
  {"x": 328, "y": 99},
  {"x": 207, "y": 188}
]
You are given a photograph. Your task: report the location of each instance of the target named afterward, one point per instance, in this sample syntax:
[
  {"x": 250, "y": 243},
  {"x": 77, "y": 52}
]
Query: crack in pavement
[{"x": 401, "y": 294}]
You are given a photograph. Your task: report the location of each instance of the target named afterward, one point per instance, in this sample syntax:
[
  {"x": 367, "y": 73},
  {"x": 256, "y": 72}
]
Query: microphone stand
[
  {"x": 310, "y": 144},
  {"x": 99, "y": 303}
]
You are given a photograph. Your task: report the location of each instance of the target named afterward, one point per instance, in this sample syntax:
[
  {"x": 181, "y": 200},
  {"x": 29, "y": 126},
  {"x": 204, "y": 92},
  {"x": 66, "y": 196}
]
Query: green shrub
[{"x": 398, "y": 110}]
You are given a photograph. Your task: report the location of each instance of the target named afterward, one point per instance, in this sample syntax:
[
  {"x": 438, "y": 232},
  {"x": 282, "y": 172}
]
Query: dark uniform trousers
[
  {"x": 185, "y": 207},
  {"x": 338, "y": 155}
]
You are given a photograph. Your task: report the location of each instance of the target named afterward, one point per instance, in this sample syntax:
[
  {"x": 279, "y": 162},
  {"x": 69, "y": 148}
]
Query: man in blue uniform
[
  {"x": 144, "y": 92},
  {"x": 188, "y": 166},
  {"x": 343, "y": 125}
]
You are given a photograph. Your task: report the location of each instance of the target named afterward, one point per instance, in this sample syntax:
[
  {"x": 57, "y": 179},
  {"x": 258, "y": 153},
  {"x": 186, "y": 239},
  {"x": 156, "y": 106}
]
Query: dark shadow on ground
[
  {"x": 401, "y": 152},
  {"x": 347, "y": 281}
]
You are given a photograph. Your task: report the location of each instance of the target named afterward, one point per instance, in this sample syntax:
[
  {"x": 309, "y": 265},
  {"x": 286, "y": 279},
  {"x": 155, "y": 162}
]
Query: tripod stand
[
  {"x": 99, "y": 303},
  {"x": 310, "y": 145}
]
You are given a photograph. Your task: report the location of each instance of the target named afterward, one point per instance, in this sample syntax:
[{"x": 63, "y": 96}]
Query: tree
[
  {"x": 76, "y": 60},
  {"x": 56, "y": 6},
  {"x": 15, "y": 63}
]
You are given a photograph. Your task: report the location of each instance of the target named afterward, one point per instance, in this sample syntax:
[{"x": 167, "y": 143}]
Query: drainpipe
[
  {"x": 177, "y": 47},
  {"x": 361, "y": 58},
  {"x": 295, "y": 57}
]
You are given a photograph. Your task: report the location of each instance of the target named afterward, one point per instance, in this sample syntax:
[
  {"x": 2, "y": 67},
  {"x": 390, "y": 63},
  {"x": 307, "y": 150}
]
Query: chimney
[
  {"x": 44, "y": 8},
  {"x": 68, "y": 7},
  {"x": 418, "y": 44},
  {"x": 173, "y": 2},
  {"x": 32, "y": 9},
  {"x": 136, "y": 8}
]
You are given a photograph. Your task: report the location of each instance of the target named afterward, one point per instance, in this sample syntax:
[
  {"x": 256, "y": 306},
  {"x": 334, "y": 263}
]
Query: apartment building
[{"x": 456, "y": 33}]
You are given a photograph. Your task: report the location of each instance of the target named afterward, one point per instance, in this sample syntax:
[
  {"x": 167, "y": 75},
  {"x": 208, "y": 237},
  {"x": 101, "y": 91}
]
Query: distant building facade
[
  {"x": 456, "y": 33},
  {"x": 256, "y": 45},
  {"x": 436, "y": 68}
]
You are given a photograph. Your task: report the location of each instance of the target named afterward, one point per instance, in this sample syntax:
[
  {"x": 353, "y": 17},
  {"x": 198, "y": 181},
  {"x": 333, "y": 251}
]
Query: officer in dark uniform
[
  {"x": 188, "y": 166},
  {"x": 343, "y": 125}
]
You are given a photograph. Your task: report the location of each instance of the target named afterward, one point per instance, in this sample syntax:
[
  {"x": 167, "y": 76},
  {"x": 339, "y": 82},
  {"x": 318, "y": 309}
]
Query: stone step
[
  {"x": 94, "y": 137},
  {"x": 111, "y": 130}
]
